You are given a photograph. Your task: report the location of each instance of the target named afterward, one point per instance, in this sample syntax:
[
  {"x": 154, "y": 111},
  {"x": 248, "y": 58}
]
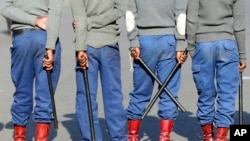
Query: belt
[{"x": 22, "y": 31}]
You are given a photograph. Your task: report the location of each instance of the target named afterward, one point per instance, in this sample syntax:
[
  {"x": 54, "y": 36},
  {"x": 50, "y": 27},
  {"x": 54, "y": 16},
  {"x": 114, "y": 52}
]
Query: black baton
[
  {"x": 241, "y": 100},
  {"x": 52, "y": 95},
  {"x": 90, "y": 112},
  {"x": 150, "y": 105},
  {"x": 164, "y": 88}
]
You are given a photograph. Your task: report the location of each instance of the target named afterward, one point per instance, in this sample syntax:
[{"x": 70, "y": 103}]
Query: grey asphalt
[{"x": 186, "y": 126}]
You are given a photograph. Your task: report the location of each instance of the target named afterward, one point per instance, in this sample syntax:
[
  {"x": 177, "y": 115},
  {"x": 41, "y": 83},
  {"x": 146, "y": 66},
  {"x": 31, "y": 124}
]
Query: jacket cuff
[
  {"x": 181, "y": 45},
  {"x": 134, "y": 43}
]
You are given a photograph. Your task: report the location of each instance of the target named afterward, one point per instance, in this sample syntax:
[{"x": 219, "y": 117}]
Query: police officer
[
  {"x": 156, "y": 31},
  {"x": 35, "y": 29},
  {"x": 216, "y": 43},
  {"x": 97, "y": 50}
]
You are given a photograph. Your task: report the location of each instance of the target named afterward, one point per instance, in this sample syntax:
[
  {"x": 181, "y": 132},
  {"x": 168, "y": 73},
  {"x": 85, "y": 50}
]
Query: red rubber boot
[
  {"x": 42, "y": 131},
  {"x": 166, "y": 129},
  {"x": 133, "y": 129},
  {"x": 221, "y": 134},
  {"x": 207, "y": 132},
  {"x": 19, "y": 133}
]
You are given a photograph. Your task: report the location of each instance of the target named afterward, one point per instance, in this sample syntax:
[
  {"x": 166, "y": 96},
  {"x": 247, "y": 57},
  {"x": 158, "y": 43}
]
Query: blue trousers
[
  {"x": 27, "y": 70},
  {"x": 106, "y": 62},
  {"x": 159, "y": 53},
  {"x": 215, "y": 67}
]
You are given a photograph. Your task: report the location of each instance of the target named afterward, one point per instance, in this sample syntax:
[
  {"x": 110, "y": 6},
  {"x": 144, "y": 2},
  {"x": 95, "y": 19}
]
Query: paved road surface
[{"x": 186, "y": 127}]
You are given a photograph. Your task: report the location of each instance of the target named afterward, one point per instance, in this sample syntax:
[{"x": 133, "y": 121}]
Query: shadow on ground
[
  {"x": 185, "y": 126},
  {"x": 1, "y": 126},
  {"x": 31, "y": 129}
]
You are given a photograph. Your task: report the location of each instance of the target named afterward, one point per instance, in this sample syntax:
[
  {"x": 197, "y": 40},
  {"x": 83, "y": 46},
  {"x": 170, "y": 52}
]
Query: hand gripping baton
[
  {"x": 52, "y": 95},
  {"x": 162, "y": 87}
]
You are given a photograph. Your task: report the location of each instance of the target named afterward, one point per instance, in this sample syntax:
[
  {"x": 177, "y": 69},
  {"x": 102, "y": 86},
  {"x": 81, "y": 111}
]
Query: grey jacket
[
  {"x": 211, "y": 20},
  {"x": 96, "y": 22},
  {"x": 23, "y": 14},
  {"x": 161, "y": 17}
]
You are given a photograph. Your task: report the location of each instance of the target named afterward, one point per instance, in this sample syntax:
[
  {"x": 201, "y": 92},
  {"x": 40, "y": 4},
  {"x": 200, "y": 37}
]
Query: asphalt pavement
[{"x": 186, "y": 127}]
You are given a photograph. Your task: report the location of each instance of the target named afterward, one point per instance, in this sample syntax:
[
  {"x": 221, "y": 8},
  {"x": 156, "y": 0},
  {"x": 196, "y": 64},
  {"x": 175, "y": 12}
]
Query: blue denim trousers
[
  {"x": 215, "y": 67},
  {"x": 27, "y": 70},
  {"x": 159, "y": 53},
  {"x": 106, "y": 62}
]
